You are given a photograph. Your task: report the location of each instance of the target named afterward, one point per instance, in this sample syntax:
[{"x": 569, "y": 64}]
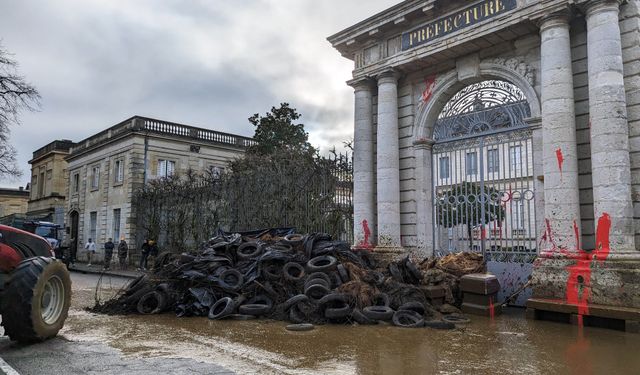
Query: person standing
[
  {"x": 123, "y": 251},
  {"x": 108, "y": 254},
  {"x": 90, "y": 246},
  {"x": 73, "y": 250},
  {"x": 153, "y": 251},
  {"x": 146, "y": 247}
]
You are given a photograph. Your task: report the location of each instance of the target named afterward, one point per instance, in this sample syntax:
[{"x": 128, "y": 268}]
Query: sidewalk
[{"x": 96, "y": 269}]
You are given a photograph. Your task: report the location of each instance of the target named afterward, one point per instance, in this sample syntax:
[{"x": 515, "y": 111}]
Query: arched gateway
[{"x": 508, "y": 127}]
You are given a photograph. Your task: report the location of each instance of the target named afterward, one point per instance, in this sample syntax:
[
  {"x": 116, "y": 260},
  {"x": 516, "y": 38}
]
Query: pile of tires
[{"x": 297, "y": 278}]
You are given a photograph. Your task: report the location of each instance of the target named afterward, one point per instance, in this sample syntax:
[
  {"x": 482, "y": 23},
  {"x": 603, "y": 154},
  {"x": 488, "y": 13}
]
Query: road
[{"x": 71, "y": 353}]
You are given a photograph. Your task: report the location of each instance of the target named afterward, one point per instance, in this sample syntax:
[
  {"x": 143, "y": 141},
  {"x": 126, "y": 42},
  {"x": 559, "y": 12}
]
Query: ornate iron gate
[{"x": 484, "y": 199}]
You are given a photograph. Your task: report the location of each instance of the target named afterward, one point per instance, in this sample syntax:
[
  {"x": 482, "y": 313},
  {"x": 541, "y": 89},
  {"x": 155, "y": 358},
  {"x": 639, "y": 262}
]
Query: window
[
  {"x": 116, "y": 224},
  {"x": 493, "y": 161},
  {"x": 216, "y": 172},
  {"x": 75, "y": 183},
  {"x": 34, "y": 186},
  {"x": 394, "y": 45},
  {"x": 93, "y": 225},
  {"x": 472, "y": 163},
  {"x": 118, "y": 171},
  {"x": 166, "y": 168},
  {"x": 444, "y": 168},
  {"x": 41, "y": 186},
  {"x": 515, "y": 157},
  {"x": 371, "y": 54},
  {"x": 95, "y": 177},
  {"x": 519, "y": 215}
]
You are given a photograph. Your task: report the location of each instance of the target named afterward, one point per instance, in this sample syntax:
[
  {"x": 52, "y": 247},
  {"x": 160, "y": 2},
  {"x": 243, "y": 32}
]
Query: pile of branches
[{"x": 280, "y": 275}]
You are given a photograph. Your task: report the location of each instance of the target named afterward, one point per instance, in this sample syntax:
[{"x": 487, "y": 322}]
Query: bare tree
[{"x": 16, "y": 95}]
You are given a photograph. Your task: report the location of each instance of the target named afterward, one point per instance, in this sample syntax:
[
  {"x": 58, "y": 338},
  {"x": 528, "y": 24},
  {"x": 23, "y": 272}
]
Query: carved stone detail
[{"x": 518, "y": 65}]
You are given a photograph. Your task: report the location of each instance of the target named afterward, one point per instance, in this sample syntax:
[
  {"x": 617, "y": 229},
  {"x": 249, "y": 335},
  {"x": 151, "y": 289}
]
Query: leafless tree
[{"x": 16, "y": 95}]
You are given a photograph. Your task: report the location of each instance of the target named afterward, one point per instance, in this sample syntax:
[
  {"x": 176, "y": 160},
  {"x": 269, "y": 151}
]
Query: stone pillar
[
  {"x": 388, "y": 157},
  {"x": 364, "y": 175},
  {"x": 424, "y": 196},
  {"x": 609, "y": 127},
  {"x": 559, "y": 148}
]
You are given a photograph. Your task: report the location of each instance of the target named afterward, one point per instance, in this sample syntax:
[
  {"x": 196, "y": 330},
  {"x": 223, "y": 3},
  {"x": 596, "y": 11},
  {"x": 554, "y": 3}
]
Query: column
[
  {"x": 388, "y": 157},
  {"x": 424, "y": 196},
  {"x": 364, "y": 175},
  {"x": 559, "y": 148},
  {"x": 611, "y": 171}
]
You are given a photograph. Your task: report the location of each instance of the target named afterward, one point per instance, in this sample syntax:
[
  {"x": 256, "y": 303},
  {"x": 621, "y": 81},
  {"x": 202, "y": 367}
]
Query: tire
[
  {"x": 337, "y": 312},
  {"x": 231, "y": 279},
  {"x": 456, "y": 319},
  {"x": 272, "y": 272},
  {"x": 254, "y": 309},
  {"x": 136, "y": 284},
  {"x": 407, "y": 319},
  {"x": 394, "y": 270},
  {"x": 319, "y": 275},
  {"x": 344, "y": 274},
  {"x": 378, "y": 313},
  {"x": 300, "y": 327},
  {"x": 316, "y": 292},
  {"x": 322, "y": 282},
  {"x": 294, "y": 239},
  {"x": 296, "y": 316},
  {"x": 261, "y": 299},
  {"x": 413, "y": 306},
  {"x": 322, "y": 263},
  {"x": 222, "y": 308},
  {"x": 414, "y": 271},
  {"x": 152, "y": 303},
  {"x": 36, "y": 300},
  {"x": 360, "y": 318},
  {"x": 294, "y": 301},
  {"x": 335, "y": 299},
  {"x": 249, "y": 250},
  {"x": 293, "y": 272},
  {"x": 439, "y": 324}
]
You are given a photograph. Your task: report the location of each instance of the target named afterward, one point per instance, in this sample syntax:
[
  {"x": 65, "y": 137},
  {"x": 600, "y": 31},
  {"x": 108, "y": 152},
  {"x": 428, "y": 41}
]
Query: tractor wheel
[{"x": 36, "y": 300}]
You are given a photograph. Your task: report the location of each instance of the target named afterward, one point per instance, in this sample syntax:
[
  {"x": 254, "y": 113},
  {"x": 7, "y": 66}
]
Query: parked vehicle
[{"x": 35, "y": 288}]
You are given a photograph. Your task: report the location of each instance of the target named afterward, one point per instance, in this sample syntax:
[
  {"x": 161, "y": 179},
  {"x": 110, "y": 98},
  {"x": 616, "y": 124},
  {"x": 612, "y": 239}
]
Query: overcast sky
[{"x": 207, "y": 63}]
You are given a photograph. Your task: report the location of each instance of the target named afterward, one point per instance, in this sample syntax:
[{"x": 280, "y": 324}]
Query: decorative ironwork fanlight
[{"x": 483, "y": 108}]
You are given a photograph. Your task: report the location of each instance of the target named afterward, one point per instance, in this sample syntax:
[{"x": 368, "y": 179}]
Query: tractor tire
[{"x": 36, "y": 300}]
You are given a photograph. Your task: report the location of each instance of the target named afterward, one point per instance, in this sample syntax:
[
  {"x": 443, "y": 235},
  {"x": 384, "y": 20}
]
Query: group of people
[{"x": 68, "y": 246}]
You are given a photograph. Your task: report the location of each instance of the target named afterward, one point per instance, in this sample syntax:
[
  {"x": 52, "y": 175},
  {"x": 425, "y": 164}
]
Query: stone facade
[
  {"x": 49, "y": 182},
  {"x": 577, "y": 63},
  {"x": 13, "y": 201},
  {"x": 106, "y": 169}
]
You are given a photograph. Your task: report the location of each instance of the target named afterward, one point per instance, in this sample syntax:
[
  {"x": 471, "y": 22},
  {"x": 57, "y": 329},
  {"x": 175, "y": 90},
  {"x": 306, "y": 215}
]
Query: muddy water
[{"x": 509, "y": 344}]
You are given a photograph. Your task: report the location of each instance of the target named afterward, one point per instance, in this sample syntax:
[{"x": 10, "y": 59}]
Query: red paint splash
[
  {"x": 560, "y": 158},
  {"x": 576, "y": 232},
  {"x": 547, "y": 238},
  {"x": 579, "y": 280},
  {"x": 430, "y": 82},
  {"x": 366, "y": 244},
  {"x": 492, "y": 309}
]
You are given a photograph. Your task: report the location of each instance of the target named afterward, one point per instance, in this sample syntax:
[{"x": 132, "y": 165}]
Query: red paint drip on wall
[
  {"x": 430, "y": 82},
  {"x": 602, "y": 237},
  {"x": 577, "y": 234},
  {"x": 560, "y": 158},
  {"x": 366, "y": 244},
  {"x": 492, "y": 309}
]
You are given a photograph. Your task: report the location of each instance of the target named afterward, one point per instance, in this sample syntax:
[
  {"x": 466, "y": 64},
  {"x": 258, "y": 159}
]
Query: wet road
[{"x": 165, "y": 344}]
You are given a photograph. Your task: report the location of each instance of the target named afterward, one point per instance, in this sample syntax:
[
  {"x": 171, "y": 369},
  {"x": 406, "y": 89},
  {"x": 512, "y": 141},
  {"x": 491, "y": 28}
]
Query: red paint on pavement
[
  {"x": 428, "y": 92},
  {"x": 492, "y": 309}
]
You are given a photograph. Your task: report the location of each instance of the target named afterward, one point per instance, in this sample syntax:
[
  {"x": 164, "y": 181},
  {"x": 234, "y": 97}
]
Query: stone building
[
  {"x": 436, "y": 81},
  {"x": 13, "y": 201},
  {"x": 49, "y": 182},
  {"x": 107, "y": 168}
]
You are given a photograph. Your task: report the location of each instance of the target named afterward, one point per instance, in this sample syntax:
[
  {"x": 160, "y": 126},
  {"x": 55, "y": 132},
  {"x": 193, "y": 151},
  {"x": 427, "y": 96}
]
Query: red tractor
[{"x": 35, "y": 288}]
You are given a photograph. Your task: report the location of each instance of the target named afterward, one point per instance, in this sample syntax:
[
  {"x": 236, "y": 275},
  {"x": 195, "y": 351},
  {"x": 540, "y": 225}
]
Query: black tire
[
  {"x": 344, "y": 273},
  {"x": 261, "y": 299},
  {"x": 316, "y": 292},
  {"x": 413, "y": 306},
  {"x": 334, "y": 313},
  {"x": 456, "y": 319},
  {"x": 152, "y": 303},
  {"x": 296, "y": 316},
  {"x": 293, "y": 272},
  {"x": 322, "y": 263},
  {"x": 136, "y": 284},
  {"x": 407, "y": 319},
  {"x": 27, "y": 314},
  {"x": 394, "y": 270},
  {"x": 300, "y": 327},
  {"x": 272, "y": 271},
  {"x": 335, "y": 300},
  {"x": 254, "y": 309},
  {"x": 294, "y": 301},
  {"x": 249, "y": 250},
  {"x": 383, "y": 313},
  {"x": 231, "y": 279},
  {"x": 336, "y": 281},
  {"x": 381, "y": 299},
  {"x": 414, "y": 271},
  {"x": 317, "y": 282},
  {"x": 439, "y": 324},
  {"x": 222, "y": 308},
  {"x": 319, "y": 275},
  {"x": 294, "y": 239},
  {"x": 360, "y": 318}
]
